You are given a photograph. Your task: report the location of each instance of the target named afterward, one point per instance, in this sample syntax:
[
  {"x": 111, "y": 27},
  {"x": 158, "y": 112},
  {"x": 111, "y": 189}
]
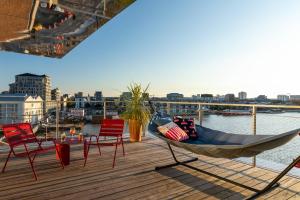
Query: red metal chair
[
  {"x": 109, "y": 128},
  {"x": 21, "y": 136}
]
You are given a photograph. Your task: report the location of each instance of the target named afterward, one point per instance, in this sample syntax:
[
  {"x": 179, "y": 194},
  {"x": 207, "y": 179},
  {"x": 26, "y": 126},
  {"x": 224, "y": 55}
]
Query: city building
[
  {"x": 283, "y": 98},
  {"x": 229, "y": 98},
  {"x": 64, "y": 103},
  {"x": 207, "y": 97},
  {"x": 80, "y": 102},
  {"x": 242, "y": 95},
  {"x": 55, "y": 94},
  {"x": 33, "y": 85},
  {"x": 19, "y": 108},
  {"x": 295, "y": 98},
  {"x": 174, "y": 96},
  {"x": 125, "y": 96},
  {"x": 78, "y": 94},
  {"x": 196, "y": 97},
  {"x": 98, "y": 96},
  {"x": 219, "y": 98},
  {"x": 261, "y": 98}
]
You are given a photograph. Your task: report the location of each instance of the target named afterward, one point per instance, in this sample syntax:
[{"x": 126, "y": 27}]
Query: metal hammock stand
[{"x": 272, "y": 185}]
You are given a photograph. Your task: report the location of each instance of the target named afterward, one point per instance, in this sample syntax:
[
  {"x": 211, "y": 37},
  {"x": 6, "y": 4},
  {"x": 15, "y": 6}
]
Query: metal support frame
[
  {"x": 200, "y": 114},
  {"x": 57, "y": 120},
  {"x": 104, "y": 109},
  {"x": 272, "y": 185},
  {"x": 254, "y": 131}
]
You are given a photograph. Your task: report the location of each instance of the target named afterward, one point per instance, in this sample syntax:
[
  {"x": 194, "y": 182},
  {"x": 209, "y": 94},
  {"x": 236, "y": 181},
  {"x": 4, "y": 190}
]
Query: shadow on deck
[{"x": 134, "y": 177}]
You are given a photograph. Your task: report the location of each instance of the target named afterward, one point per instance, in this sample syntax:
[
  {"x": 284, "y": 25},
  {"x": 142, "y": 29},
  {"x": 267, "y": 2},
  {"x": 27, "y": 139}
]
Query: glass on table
[{"x": 72, "y": 132}]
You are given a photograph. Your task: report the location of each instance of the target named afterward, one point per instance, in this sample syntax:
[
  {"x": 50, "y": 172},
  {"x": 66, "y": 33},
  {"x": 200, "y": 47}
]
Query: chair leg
[
  {"x": 34, "y": 157},
  {"x": 32, "y": 167},
  {"x": 86, "y": 149},
  {"x": 98, "y": 145},
  {"x": 115, "y": 152},
  {"x": 99, "y": 149},
  {"x": 123, "y": 146},
  {"x": 30, "y": 162},
  {"x": 8, "y": 156}
]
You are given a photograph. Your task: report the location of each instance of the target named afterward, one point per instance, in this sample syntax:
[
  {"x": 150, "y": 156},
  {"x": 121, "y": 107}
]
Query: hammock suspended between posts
[{"x": 219, "y": 144}]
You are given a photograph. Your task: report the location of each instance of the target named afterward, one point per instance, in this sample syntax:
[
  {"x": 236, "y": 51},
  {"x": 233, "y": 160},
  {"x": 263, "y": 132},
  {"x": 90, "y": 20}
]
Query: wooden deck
[{"x": 134, "y": 177}]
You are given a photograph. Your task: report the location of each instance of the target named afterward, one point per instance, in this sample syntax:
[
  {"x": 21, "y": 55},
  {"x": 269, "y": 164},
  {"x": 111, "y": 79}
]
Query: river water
[{"x": 266, "y": 124}]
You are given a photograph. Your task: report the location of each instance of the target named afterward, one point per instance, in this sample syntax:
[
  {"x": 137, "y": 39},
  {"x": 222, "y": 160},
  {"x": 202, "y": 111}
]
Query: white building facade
[
  {"x": 80, "y": 102},
  {"x": 19, "y": 108}
]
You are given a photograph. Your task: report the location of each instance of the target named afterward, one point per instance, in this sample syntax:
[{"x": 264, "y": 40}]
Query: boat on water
[{"x": 228, "y": 112}]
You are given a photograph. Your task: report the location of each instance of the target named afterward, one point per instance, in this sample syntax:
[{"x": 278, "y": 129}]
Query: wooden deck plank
[
  {"x": 134, "y": 177},
  {"x": 185, "y": 176}
]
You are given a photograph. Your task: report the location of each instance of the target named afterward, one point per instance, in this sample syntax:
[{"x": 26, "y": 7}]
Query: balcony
[{"x": 134, "y": 176}]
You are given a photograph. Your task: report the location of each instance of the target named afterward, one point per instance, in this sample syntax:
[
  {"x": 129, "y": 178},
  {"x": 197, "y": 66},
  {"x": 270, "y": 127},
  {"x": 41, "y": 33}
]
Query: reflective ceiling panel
[{"x": 52, "y": 27}]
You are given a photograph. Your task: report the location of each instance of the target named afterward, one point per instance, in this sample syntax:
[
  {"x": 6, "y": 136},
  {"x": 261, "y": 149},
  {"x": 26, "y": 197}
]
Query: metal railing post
[
  {"x": 200, "y": 114},
  {"x": 104, "y": 109},
  {"x": 168, "y": 108},
  {"x": 57, "y": 120},
  {"x": 254, "y": 108}
]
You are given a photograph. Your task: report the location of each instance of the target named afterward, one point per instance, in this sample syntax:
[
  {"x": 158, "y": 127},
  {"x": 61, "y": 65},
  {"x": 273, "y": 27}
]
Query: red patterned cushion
[
  {"x": 173, "y": 132},
  {"x": 187, "y": 125}
]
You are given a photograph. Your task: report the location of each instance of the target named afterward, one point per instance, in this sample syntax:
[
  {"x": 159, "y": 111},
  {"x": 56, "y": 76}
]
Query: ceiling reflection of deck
[{"x": 52, "y": 27}]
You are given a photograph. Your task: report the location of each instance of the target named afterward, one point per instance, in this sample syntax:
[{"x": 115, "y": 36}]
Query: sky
[{"x": 190, "y": 47}]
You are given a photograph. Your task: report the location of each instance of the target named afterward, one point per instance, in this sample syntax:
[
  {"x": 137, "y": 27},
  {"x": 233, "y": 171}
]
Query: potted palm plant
[{"x": 136, "y": 114}]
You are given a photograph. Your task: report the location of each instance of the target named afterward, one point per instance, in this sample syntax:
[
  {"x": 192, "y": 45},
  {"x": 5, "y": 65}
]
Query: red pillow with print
[{"x": 173, "y": 132}]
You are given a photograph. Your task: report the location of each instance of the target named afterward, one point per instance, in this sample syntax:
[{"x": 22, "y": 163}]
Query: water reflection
[{"x": 52, "y": 27}]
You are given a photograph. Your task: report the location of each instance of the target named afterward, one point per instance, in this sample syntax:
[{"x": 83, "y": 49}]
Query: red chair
[
  {"x": 22, "y": 137},
  {"x": 109, "y": 128}
]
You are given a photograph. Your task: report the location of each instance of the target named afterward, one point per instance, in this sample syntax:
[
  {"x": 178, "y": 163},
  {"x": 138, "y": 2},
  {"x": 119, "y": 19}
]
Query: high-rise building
[
  {"x": 34, "y": 85},
  {"x": 242, "y": 95}
]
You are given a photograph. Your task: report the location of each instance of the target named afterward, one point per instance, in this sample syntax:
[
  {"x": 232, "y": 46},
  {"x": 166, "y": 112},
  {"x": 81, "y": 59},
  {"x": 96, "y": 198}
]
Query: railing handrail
[{"x": 229, "y": 104}]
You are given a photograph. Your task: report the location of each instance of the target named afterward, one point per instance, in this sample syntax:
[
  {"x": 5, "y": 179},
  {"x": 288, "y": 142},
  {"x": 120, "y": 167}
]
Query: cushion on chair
[
  {"x": 173, "y": 132},
  {"x": 187, "y": 125}
]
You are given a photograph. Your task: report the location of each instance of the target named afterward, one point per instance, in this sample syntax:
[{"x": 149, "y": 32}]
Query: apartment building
[{"x": 34, "y": 85}]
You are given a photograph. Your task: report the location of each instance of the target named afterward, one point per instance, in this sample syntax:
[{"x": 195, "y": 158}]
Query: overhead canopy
[{"x": 52, "y": 27}]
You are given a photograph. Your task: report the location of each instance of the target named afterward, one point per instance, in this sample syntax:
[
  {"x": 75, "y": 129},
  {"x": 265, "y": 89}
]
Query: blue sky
[{"x": 191, "y": 47}]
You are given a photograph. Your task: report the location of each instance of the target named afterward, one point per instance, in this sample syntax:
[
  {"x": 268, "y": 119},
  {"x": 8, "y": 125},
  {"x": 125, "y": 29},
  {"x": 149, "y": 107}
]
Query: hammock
[{"x": 219, "y": 144}]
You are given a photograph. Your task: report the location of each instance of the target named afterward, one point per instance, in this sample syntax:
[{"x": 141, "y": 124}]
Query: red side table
[{"x": 64, "y": 150}]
